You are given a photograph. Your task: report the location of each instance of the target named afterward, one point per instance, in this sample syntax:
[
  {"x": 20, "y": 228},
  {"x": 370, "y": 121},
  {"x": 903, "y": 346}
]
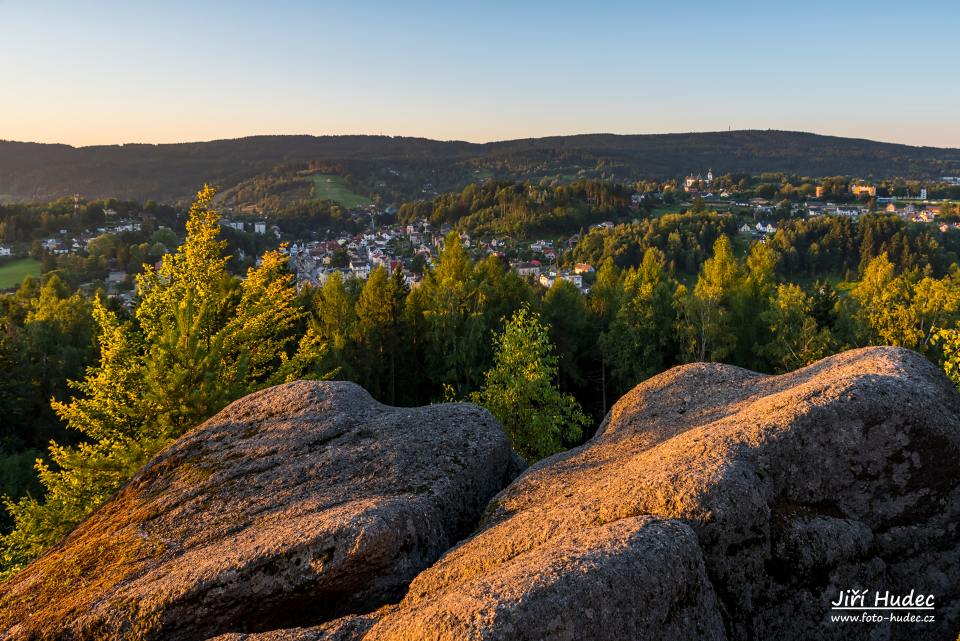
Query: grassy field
[
  {"x": 668, "y": 209},
  {"x": 12, "y": 274},
  {"x": 335, "y": 188}
]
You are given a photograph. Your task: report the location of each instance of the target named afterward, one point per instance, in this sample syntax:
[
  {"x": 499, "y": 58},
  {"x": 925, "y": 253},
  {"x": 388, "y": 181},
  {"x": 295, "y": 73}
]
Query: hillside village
[
  {"x": 411, "y": 246},
  {"x": 415, "y": 246}
]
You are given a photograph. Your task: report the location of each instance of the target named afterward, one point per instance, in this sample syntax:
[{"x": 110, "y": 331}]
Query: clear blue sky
[{"x": 88, "y": 72}]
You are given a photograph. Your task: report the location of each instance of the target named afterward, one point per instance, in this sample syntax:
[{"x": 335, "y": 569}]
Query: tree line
[
  {"x": 808, "y": 248},
  {"x": 547, "y": 362},
  {"x": 524, "y": 209}
]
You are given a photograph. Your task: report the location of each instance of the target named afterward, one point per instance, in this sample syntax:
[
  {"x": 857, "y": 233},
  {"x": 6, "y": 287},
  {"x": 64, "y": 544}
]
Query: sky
[{"x": 99, "y": 72}]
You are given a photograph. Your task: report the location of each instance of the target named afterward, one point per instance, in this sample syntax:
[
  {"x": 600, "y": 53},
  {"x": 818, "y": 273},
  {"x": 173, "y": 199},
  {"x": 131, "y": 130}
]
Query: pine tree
[
  {"x": 334, "y": 323},
  {"x": 565, "y": 312},
  {"x": 453, "y": 322},
  {"x": 605, "y": 297},
  {"x": 707, "y": 322},
  {"x": 196, "y": 270},
  {"x": 372, "y": 334},
  {"x": 109, "y": 413},
  {"x": 202, "y": 340},
  {"x": 751, "y": 302},
  {"x": 640, "y": 341}
]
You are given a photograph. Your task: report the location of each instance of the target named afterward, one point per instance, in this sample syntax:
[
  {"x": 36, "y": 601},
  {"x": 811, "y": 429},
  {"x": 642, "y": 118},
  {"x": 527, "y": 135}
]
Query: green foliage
[
  {"x": 684, "y": 240},
  {"x": 565, "y": 312},
  {"x": 18, "y": 476},
  {"x": 796, "y": 337},
  {"x": 378, "y": 333},
  {"x": 949, "y": 341},
  {"x": 520, "y": 391},
  {"x": 708, "y": 323},
  {"x": 903, "y": 309},
  {"x": 824, "y": 245},
  {"x": 201, "y": 340},
  {"x": 640, "y": 341},
  {"x": 110, "y": 413},
  {"x": 199, "y": 337},
  {"x": 334, "y": 320},
  {"x": 521, "y": 210},
  {"x": 46, "y": 337},
  {"x": 452, "y": 324}
]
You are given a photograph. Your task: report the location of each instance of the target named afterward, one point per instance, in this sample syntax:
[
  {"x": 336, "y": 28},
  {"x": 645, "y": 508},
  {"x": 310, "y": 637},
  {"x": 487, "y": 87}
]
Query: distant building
[
  {"x": 576, "y": 279},
  {"x": 360, "y": 269},
  {"x": 850, "y": 212},
  {"x": 527, "y": 269},
  {"x": 127, "y": 225},
  {"x": 5, "y": 251},
  {"x": 604, "y": 225},
  {"x": 695, "y": 183},
  {"x": 260, "y": 228},
  {"x": 861, "y": 190}
]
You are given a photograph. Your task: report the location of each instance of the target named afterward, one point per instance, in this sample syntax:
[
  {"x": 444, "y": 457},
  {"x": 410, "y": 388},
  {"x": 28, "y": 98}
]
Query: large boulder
[
  {"x": 719, "y": 503},
  {"x": 292, "y": 506}
]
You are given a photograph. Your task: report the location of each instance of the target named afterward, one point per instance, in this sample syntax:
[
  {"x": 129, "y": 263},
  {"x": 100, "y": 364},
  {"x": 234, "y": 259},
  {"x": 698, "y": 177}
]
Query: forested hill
[{"x": 32, "y": 171}]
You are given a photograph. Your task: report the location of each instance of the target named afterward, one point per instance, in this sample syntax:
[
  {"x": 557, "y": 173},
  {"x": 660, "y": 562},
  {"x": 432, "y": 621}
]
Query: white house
[
  {"x": 527, "y": 269},
  {"x": 576, "y": 279},
  {"x": 360, "y": 269}
]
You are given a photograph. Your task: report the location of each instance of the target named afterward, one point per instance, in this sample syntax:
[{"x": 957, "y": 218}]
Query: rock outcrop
[
  {"x": 845, "y": 474},
  {"x": 292, "y": 506},
  {"x": 718, "y": 503},
  {"x": 713, "y": 503}
]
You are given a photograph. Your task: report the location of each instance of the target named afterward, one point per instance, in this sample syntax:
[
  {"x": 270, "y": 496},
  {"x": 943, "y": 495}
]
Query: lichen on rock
[{"x": 297, "y": 504}]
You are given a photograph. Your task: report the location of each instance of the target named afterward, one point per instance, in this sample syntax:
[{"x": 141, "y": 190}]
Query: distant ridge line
[{"x": 173, "y": 171}]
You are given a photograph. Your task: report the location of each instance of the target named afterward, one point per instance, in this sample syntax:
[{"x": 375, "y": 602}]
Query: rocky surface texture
[
  {"x": 717, "y": 503},
  {"x": 292, "y": 506},
  {"x": 845, "y": 474},
  {"x": 713, "y": 503}
]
